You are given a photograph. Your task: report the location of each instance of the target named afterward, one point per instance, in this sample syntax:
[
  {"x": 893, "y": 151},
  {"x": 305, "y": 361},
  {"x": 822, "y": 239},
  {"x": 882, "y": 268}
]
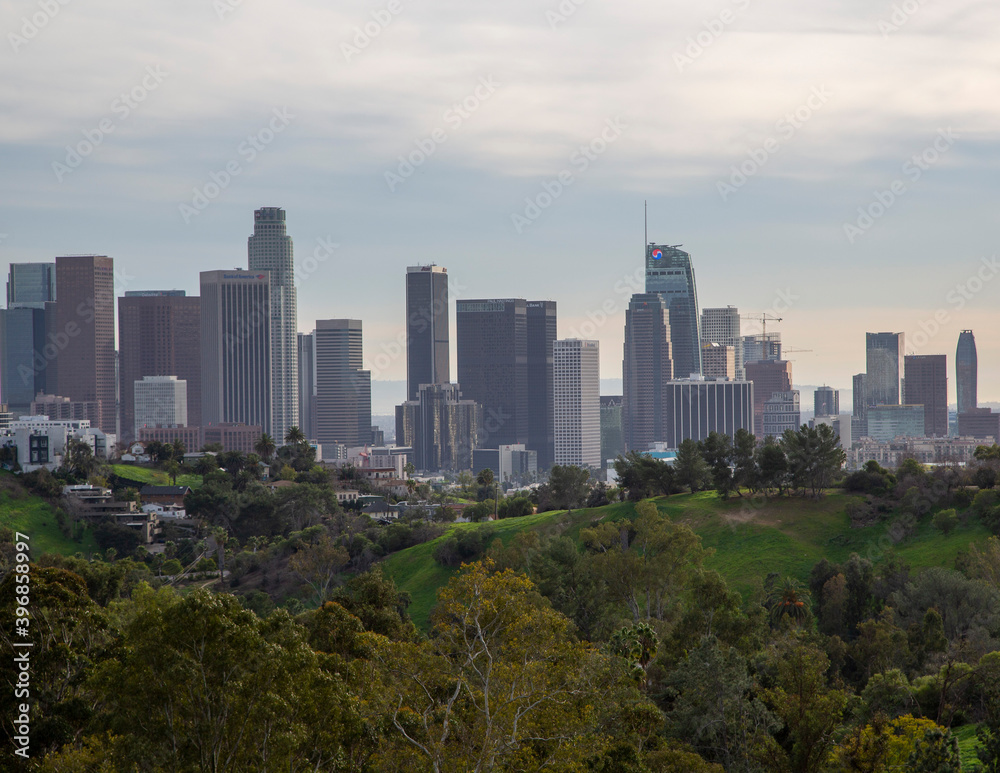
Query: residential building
[
  {"x": 509, "y": 463},
  {"x": 612, "y": 436},
  {"x": 926, "y": 384},
  {"x": 236, "y": 348},
  {"x": 884, "y": 355},
  {"x": 781, "y": 412},
  {"x": 768, "y": 377},
  {"x": 647, "y": 367},
  {"x": 577, "y": 397},
  {"x": 694, "y": 408},
  {"x": 160, "y": 401},
  {"x": 159, "y": 334},
  {"x": 826, "y": 402},
  {"x": 83, "y": 326},
  {"x": 966, "y": 373},
  {"x": 343, "y": 387},
  {"x": 270, "y": 250},
  {"x": 670, "y": 273},
  {"x": 722, "y": 326},
  {"x": 718, "y": 361},
  {"x": 890, "y": 454},
  {"x": 41, "y": 441},
  {"x": 427, "y": 333},
  {"x": 888, "y": 422},
  {"x": 440, "y": 427}
]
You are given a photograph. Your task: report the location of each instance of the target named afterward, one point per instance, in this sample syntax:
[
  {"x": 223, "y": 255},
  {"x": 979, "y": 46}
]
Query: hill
[
  {"x": 24, "y": 512},
  {"x": 142, "y": 476},
  {"x": 784, "y": 535}
]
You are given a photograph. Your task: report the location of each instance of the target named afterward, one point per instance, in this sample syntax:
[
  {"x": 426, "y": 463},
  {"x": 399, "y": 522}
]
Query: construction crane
[
  {"x": 792, "y": 351},
  {"x": 763, "y": 319}
]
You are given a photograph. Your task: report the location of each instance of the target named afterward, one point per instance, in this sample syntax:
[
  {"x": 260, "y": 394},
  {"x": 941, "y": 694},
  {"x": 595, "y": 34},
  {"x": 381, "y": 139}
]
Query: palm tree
[
  {"x": 265, "y": 447},
  {"x": 294, "y": 436},
  {"x": 790, "y": 600}
]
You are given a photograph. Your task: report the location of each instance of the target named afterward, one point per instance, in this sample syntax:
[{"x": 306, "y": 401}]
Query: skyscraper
[
  {"x": 646, "y": 369},
  {"x": 761, "y": 346},
  {"x": 236, "y": 349},
  {"x": 159, "y": 334},
  {"x": 270, "y": 249},
  {"x": 427, "y": 337},
  {"x": 694, "y": 408},
  {"x": 718, "y": 361},
  {"x": 83, "y": 331},
  {"x": 160, "y": 401},
  {"x": 493, "y": 366},
  {"x": 769, "y": 377},
  {"x": 859, "y": 417},
  {"x": 577, "y": 400},
  {"x": 441, "y": 427},
  {"x": 23, "y": 355},
  {"x": 966, "y": 373},
  {"x": 307, "y": 384},
  {"x": 541, "y": 333},
  {"x": 884, "y": 354},
  {"x": 343, "y": 387},
  {"x": 927, "y": 385},
  {"x": 722, "y": 326},
  {"x": 31, "y": 283},
  {"x": 612, "y": 439},
  {"x": 826, "y": 402},
  {"x": 670, "y": 273},
  {"x": 781, "y": 412}
]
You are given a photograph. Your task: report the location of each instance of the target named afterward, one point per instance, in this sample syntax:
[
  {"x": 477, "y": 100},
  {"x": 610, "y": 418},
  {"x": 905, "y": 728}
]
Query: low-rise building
[
  {"x": 41, "y": 441},
  {"x": 164, "y": 495},
  {"x": 890, "y": 454}
]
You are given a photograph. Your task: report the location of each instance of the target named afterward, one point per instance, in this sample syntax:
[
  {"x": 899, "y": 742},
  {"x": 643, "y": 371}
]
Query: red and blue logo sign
[{"x": 657, "y": 253}]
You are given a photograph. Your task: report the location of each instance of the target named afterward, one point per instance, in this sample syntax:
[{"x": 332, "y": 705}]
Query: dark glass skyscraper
[
  {"x": 646, "y": 369},
  {"x": 31, "y": 283},
  {"x": 926, "y": 378},
  {"x": 966, "y": 373},
  {"x": 23, "y": 360},
  {"x": 670, "y": 273},
  {"x": 884, "y": 356},
  {"x": 427, "y": 338},
  {"x": 541, "y": 332}
]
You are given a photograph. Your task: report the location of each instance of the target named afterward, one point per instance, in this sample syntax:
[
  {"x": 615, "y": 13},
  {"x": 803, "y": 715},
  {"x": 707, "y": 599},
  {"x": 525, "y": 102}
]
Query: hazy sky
[{"x": 756, "y": 129}]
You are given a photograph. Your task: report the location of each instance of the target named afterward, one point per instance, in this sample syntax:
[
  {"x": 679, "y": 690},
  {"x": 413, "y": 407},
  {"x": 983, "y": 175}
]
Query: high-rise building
[
  {"x": 440, "y": 427},
  {"x": 694, "y": 408},
  {"x": 541, "y": 333},
  {"x": 31, "y": 284},
  {"x": 159, "y": 334},
  {"x": 718, "y": 361},
  {"x": 761, "y": 346},
  {"x": 307, "y": 384},
  {"x": 722, "y": 326},
  {"x": 966, "y": 373},
  {"x": 887, "y": 422},
  {"x": 859, "y": 417},
  {"x": 427, "y": 337},
  {"x": 926, "y": 378},
  {"x": 83, "y": 329},
  {"x": 577, "y": 398},
  {"x": 768, "y": 377},
  {"x": 647, "y": 367},
  {"x": 270, "y": 250},
  {"x": 343, "y": 387},
  {"x": 980, "y": 423},
  {"x": 236, "y": 348},
  {"x": 493, "y": 366},
  {"x": 160, "y": 401},
  {"x": 23, "y": 360},
  {"x": 826, "y": 402},
  {"x": 781, "y": 412},
  {"x": 670, "y": 273},
  {"x": 612, "y": 438},
  {"x": 884, "y": 355},
  {"x": 59, "y": 408}
]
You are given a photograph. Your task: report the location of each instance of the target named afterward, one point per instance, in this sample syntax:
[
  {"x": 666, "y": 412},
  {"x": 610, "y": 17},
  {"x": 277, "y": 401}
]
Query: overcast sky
[{"x": 834, "y": 166}]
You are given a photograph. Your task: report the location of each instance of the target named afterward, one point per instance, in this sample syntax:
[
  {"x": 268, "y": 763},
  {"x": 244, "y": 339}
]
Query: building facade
[
  {"x": 159, "y": 334},
  {"x": 160, "y": 401},
  {"x": 307, "y": 384},
  {"x": 270, "y": 250},
  {"x": 23, "y": 361},
  {"x": 761, "y": 346},
  {"x": 926, "y": 384},
  {"x": 718, "y": 361},
  {"x": 769, "y": 377},
  {"x": 967, "y": 373},
  {"x": 541, "y": 334},
  {"x": 440, "y": 427},
  {"x": 722, "y": 326},
  {"x": 32, "y": 284},
  {"x": 343, "y": 387},
  {"x": 84, "y": 323},
  {"x": 982, "y": 423},
  {"x": 826, "y": 402},
  {"x": 781, "y": 412},
  {"x": 670, "y": 274},
  {"x": 647, "y": 367},
  {"x": 428, "y": 347},
  {"x": 888, "y": 422},
  {"x": 612, "y": 437},
  {"x": 694, "y": 408},
  {"x": 236, "y": 349},
  {"x": 577, "y": 379},
  {"x": 884, "y": 353}
]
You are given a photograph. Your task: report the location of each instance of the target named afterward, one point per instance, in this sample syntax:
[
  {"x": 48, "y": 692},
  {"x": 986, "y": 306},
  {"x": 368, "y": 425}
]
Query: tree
[
  {"x": 690, "y": 466},
  {"x": 265, "y": 447},
  {"x": 746, "y": 473},
  {"x": 294, "y": 436},
  {"x": 791, "y": 600},
  {"x": 79, "y": 459},
  {"x": 717, "y": 450},
  {"x": 567, "y": 487},
  {"x": 814, "y": 456},
  {"x": 320, "y": 563},
  {"x": 945, "y": 521},
  {"x": 772, "y": 466},
  {"x": 642, "y": 476},
  {"x": 178, "y": 448},
  {"x": 173, "y": 469}
]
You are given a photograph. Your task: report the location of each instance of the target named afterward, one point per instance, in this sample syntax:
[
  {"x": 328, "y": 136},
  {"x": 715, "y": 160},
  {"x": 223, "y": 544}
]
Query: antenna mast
[{"x": 645, "y": 227}]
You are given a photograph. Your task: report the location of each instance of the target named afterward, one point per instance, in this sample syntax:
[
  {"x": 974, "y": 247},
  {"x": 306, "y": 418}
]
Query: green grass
[
  {"x": 787, "y": 535},
  {"x": 146, "y": 475},
  {"x": 34, "y": 516},
  {"x": 967, "y": 745}
]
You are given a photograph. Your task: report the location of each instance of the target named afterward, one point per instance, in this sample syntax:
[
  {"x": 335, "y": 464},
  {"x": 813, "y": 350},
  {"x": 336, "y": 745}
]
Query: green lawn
[
  {"x": 967, "y": 745},
  {"x": 146, "y": 475},
  {"x": 33, "y": 516},
  {"x": 787, "y": 535}
]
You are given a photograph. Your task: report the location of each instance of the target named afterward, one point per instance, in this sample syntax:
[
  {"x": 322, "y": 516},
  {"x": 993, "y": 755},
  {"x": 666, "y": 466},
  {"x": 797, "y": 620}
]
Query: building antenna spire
[{"x": 645, "y": 225}]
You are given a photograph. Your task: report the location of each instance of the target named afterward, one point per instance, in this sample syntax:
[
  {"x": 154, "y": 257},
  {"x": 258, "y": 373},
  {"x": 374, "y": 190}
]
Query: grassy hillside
[
  {"x": 783, "y": 535},
  {"x": 145, "y": 475},
  {"x": 32, "y": 515}
]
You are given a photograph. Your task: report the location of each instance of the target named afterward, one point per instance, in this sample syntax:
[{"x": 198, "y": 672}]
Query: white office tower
[
  {"x": 160, "y": 401},
  {"x": 270, "y": 249},
  {"x": 722, "y": 326},
  {"x": 577, "y": 399}
]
